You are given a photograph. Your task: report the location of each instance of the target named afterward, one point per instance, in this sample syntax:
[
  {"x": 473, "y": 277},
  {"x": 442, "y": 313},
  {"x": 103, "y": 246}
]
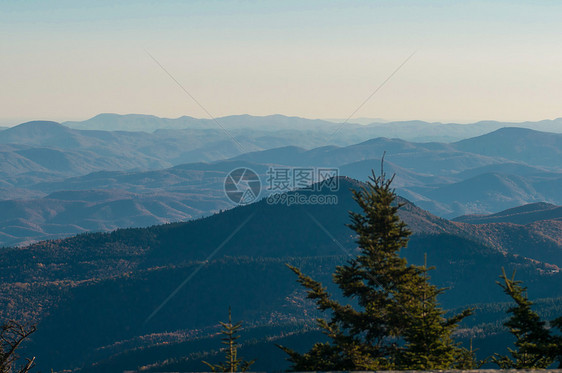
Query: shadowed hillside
[{"x": 104, "y": 287}]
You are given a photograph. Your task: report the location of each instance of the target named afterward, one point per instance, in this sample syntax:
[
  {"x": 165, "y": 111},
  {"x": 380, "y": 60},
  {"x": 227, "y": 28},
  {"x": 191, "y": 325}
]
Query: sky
[{"x": 472, "y": 60}]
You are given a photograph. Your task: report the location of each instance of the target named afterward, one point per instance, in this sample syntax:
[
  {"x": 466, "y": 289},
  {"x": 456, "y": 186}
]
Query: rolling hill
[
  {"x": 485, "y": 192},
  {"x": 526, "y": 214},
  {"x": 522, "y": 230},
  {"x": 104, "y": 201},
  {"x": 518, "y": 144}
]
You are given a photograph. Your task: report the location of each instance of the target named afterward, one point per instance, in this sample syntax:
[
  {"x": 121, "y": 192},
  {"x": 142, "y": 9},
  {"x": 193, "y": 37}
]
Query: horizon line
[{"x": 13, "y": 122}]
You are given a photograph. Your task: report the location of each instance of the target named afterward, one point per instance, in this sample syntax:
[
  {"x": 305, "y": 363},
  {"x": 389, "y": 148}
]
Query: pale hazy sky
[{"x": 475, "y": 60}]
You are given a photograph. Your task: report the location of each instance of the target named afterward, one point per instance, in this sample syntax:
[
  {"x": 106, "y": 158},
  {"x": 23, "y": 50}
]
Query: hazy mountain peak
[
  {"x": 108, "y": 116},
  {"x": 32, "y": 132},
  {"x": 35, "y": 124},
  {"x": 512, "y": 132},
  {"x": 530, "y": 207},
  {"x": 518, "y": 131}
]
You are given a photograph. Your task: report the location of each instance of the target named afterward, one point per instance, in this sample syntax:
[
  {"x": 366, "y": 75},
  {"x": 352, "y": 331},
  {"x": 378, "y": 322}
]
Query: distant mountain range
[
  {"x": 94, "y": 294},
  {"x": 150, "y": 123},
  {"x": 353, "y": 131},
  {"x": 488, "y": 173},
  {"x": 57, "y": 181},
  {"x": 512, "y": 144}
]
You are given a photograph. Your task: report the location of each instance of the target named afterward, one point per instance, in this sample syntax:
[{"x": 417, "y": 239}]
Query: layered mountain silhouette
[
  {"x": 414, "y": 130},
  {"x": 144, "y": 174},
  {"x": 171, "y": 251}
]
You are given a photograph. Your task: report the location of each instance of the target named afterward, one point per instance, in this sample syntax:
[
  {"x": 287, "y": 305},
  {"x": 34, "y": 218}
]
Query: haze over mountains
[
  {"x": 163, "y": 179},
  {"x": 58, "y": 181},
  {"x": 414, "y": 130}
]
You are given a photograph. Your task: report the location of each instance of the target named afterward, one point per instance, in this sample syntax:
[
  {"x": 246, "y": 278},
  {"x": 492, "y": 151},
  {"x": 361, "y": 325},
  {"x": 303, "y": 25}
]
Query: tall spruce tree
[
  {"x": 232, "y": 362},
  {"x": 397, "y": 323},
  {"x": 536, "y": 346},
  {"x": 429, "y": 344}
]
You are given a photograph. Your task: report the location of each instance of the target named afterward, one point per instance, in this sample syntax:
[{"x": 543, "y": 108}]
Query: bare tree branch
[{"x": 12, "y": 334}]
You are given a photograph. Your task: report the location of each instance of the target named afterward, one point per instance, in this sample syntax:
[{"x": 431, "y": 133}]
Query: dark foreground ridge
[{"x": 91, "y": 294}]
